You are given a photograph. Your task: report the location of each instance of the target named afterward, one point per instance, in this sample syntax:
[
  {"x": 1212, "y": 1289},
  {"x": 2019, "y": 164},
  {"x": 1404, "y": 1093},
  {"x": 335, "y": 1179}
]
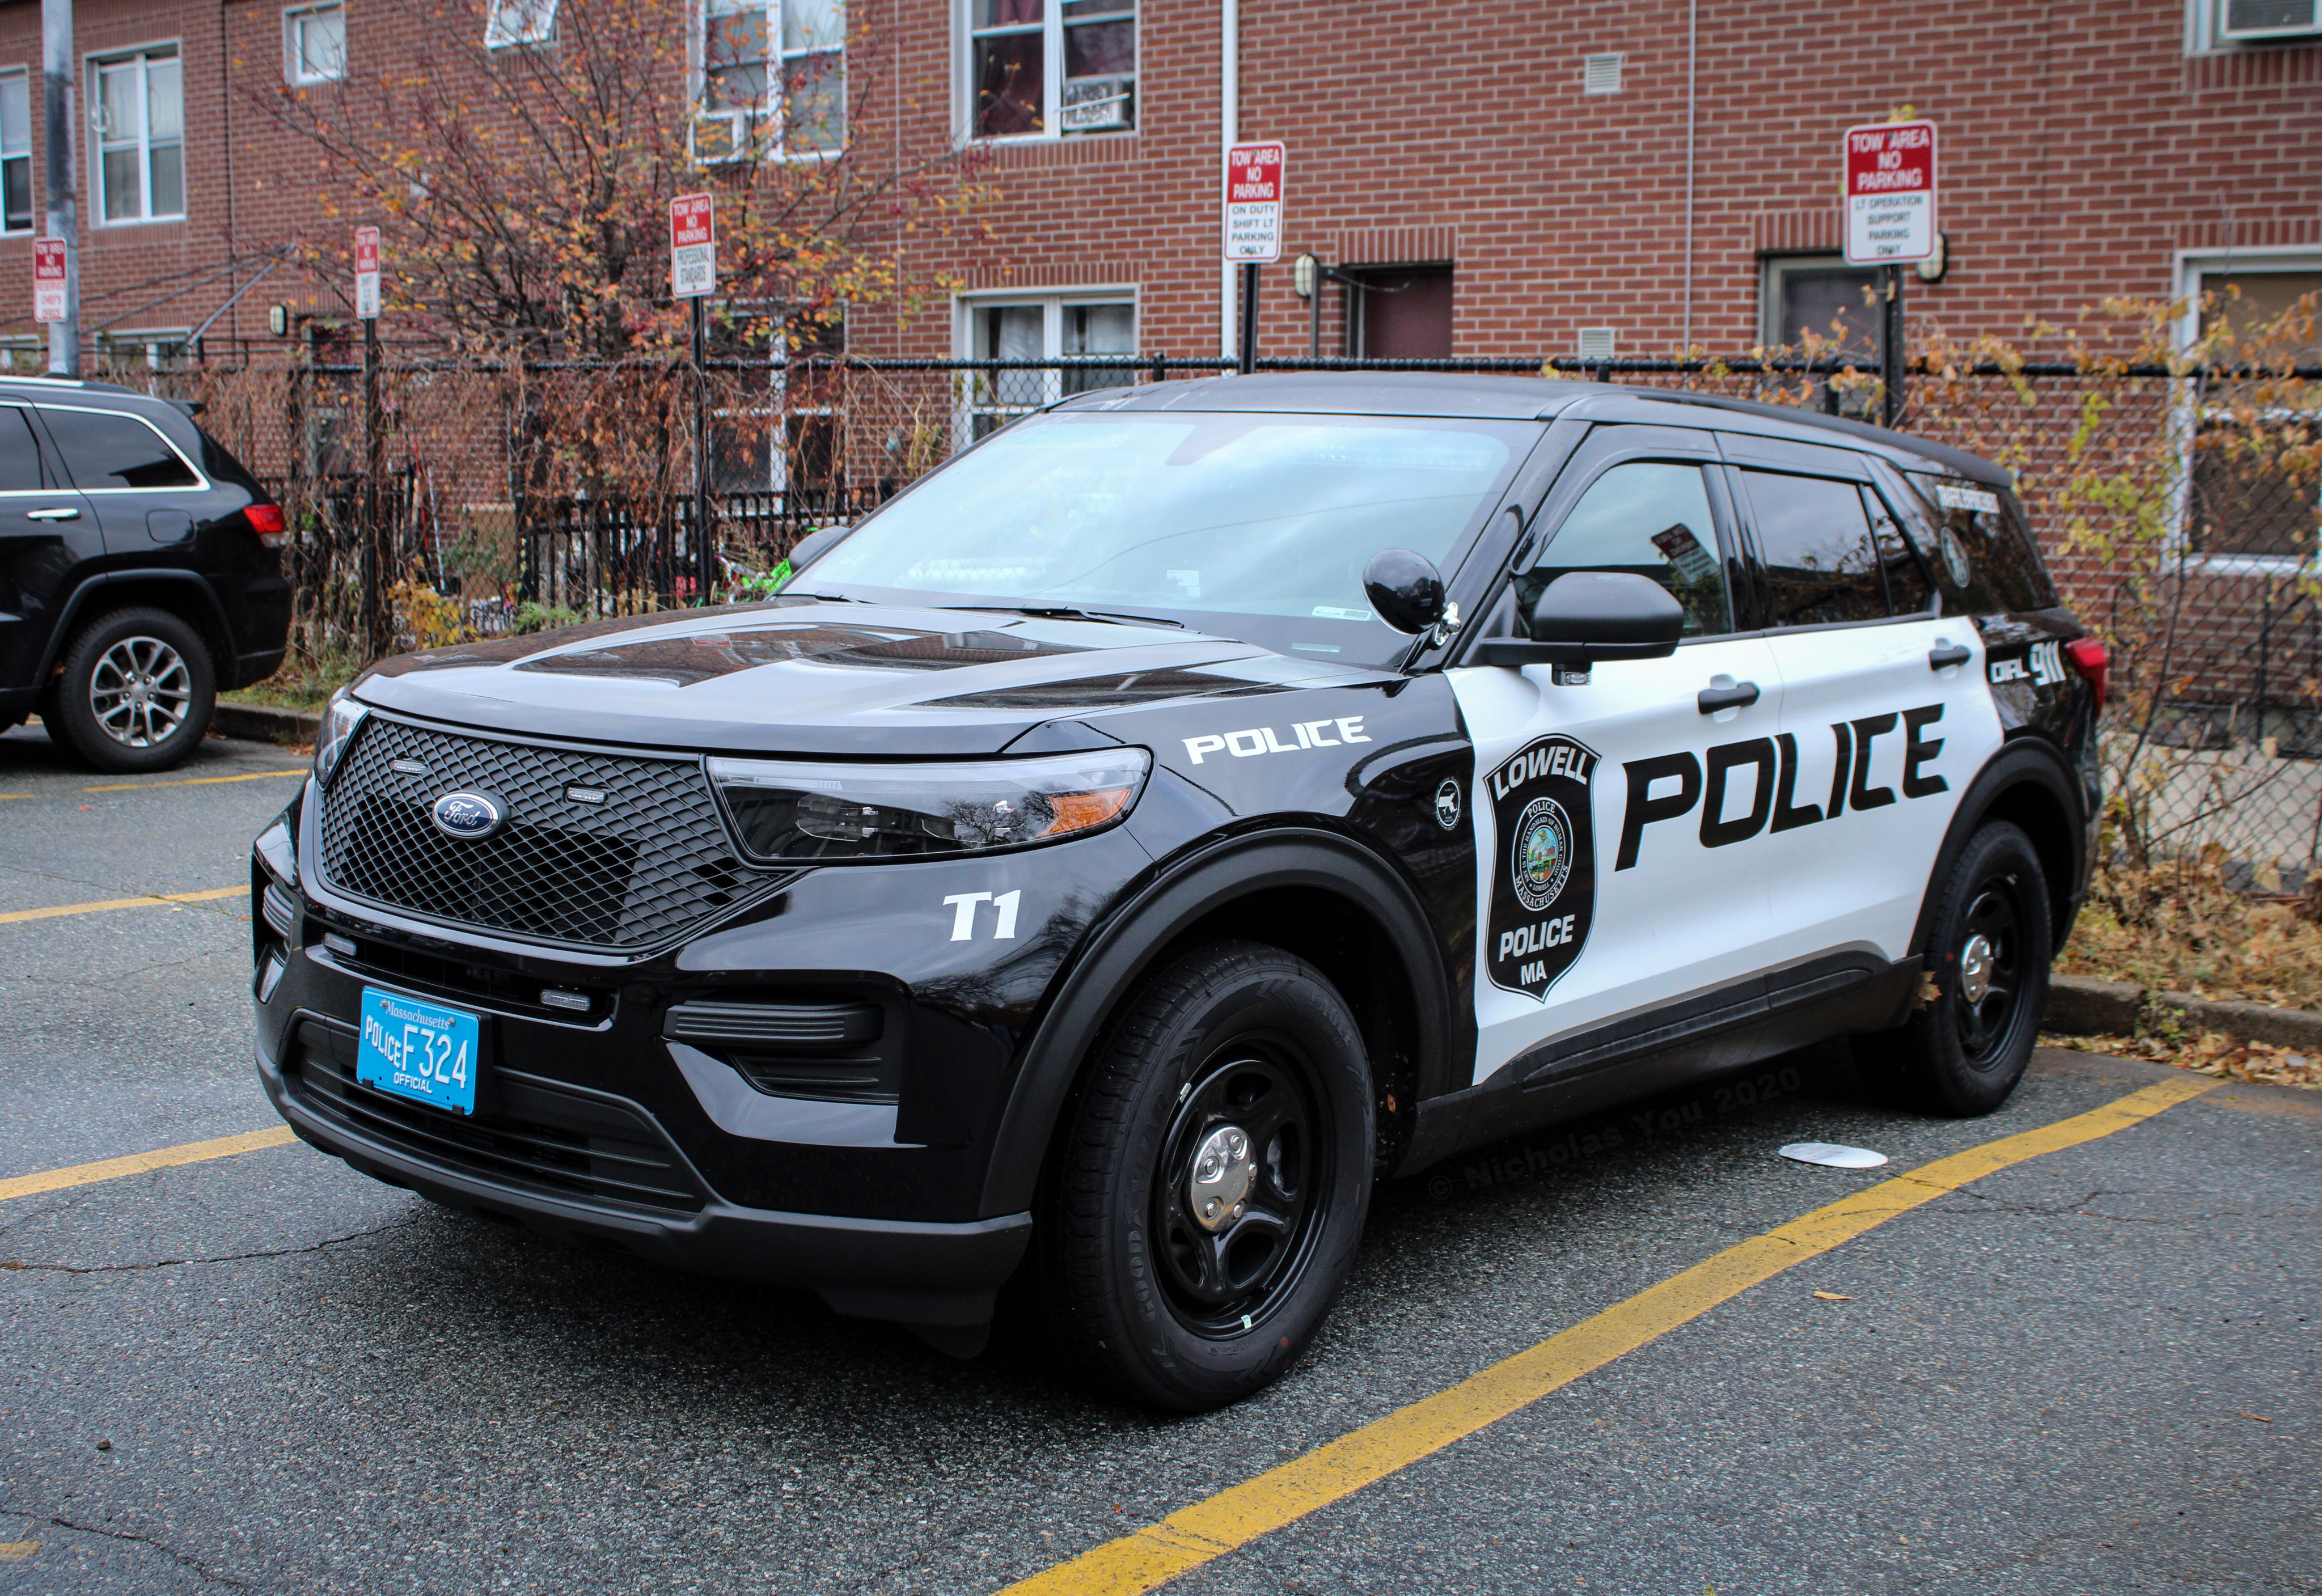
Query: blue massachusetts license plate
[{"x": 418, "y": 1050}]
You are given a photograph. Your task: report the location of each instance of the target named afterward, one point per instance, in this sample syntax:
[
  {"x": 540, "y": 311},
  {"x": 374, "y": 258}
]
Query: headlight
[
  {"x": 341, "y": 717},
  {"x": 790, "y": 809}
]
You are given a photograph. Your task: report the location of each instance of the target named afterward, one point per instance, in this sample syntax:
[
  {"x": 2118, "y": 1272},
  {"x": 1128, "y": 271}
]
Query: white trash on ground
[{"x": 1832, "y": 1156}]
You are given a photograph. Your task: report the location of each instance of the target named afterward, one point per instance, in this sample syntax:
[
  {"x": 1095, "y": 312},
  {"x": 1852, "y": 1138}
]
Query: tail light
[
  {"x": 2088, "y": 658},
  {"x": 265, "y": 521}
]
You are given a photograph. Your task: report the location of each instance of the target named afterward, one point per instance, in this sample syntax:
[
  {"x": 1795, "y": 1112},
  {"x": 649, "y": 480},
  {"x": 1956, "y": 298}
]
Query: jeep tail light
[
  {"x": 2088, "y": 658},
  {"x": 265, "y": 521}
]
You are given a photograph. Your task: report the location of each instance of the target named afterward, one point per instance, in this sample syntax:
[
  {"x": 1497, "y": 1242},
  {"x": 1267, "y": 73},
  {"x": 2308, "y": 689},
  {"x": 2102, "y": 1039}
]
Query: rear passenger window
[
  {"x": 106, "y": 450},
  {"x": 1984, "y": 553},
  {"x": 1907, "y": 592},
  {"x": 20, "y": 455},
  {"x": 1816, "y": 562},
  {"x": 1650, "y": 519}
]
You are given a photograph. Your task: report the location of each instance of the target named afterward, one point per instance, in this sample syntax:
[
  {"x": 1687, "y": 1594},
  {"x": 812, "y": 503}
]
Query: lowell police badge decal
[{"x": 1544, "y": 884}]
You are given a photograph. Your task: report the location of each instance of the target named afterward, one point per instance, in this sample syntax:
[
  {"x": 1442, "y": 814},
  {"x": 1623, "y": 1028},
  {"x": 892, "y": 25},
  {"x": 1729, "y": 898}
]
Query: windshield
[{"x": 1255, "y": 527}]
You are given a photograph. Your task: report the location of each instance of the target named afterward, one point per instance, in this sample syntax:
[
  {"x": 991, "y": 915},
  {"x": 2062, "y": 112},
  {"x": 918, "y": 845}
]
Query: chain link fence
[{"x": 2177, "y": 507}]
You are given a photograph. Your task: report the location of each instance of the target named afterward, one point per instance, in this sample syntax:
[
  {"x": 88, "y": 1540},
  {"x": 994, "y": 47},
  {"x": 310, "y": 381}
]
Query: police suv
[{"x": 1190, "y": 806}]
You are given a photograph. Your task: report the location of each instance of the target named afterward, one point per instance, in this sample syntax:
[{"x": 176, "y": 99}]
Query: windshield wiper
[{"x": 1056, "y": 612}]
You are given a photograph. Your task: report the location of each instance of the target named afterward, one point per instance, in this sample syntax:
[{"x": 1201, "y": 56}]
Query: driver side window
[{"x": 1651, "y": 518}]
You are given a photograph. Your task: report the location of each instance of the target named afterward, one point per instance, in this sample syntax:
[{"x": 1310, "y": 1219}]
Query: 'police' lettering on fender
[
  {"x": 1671, "y": 786},
  {"x": 1256, "y": 740}
]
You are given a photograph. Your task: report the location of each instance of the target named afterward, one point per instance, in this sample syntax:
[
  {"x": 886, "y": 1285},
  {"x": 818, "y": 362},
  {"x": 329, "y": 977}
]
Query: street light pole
[{"x": 63, "y": 213}]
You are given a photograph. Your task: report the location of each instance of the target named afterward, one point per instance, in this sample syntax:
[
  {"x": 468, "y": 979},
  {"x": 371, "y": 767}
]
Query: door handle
[
  {"x": 54, "y": 513},
  {"x": 1740, "y": 694},
  {"x": 1944, "y": 655}
]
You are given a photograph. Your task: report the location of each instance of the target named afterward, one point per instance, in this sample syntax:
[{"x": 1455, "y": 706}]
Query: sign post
[
  {"x": 48, "y": 298},
  {"x": 1253, "y": 226},
  {"x": 1890, "y": 223},
  {"x": 693, "y": 275},
  {"x": 376, "y": 555}
]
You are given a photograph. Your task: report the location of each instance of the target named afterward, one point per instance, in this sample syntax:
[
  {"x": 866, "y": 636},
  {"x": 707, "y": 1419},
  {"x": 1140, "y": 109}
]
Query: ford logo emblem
[{"x": 468, "y": 815}]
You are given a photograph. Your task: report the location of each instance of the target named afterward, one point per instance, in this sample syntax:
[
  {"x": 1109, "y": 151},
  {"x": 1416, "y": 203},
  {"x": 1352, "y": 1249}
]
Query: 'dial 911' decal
[{"x": 1544, "y": 882}]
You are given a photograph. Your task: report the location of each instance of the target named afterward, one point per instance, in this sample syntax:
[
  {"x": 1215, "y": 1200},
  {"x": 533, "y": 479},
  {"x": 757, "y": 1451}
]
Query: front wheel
[
  {"x": 1211, "y": 1179},
  {"x": 1963, "y": 1052}
]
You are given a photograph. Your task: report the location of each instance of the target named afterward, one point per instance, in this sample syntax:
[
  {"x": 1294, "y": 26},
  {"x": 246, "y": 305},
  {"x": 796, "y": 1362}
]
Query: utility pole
[{"x": 63, "y": 215}]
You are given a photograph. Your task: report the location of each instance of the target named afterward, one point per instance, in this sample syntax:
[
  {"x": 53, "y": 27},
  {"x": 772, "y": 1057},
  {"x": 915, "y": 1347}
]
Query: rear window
[
  {"x": 106, "y": 450},
  {"x": 1982, "y": 549}
]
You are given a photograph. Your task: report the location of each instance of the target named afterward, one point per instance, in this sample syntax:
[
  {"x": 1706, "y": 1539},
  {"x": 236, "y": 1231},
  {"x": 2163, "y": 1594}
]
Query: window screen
[
  {"x": 1983, "y": 555},
  {"x": 1817, "y": 565},
  {"x": 1652, "y": 519},
  {"x": 19, "y": 456},
  {"x": 103, "y": 450}
]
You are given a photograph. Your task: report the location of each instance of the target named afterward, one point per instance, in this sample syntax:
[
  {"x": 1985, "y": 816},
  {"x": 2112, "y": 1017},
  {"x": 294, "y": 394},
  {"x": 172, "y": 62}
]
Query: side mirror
[
  {"x": 1584, "y": 616},
  {"x": 815, "y": 546},
  {"x": 1406, "y": 589}
]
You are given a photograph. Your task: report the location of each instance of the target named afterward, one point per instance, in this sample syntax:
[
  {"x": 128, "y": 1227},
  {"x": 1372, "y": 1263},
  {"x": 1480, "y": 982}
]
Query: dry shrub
[{"x": 2178, "y": 927}]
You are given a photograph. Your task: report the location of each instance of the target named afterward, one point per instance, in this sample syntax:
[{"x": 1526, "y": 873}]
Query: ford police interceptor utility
[{"x": 1189, "y": 806}]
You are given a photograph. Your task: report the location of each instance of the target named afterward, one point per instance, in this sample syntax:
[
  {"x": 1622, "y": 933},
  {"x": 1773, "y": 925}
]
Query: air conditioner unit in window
[
  {"x": 2268, "y": 19},
  {"x": 720, "y": 136},
  {"x": 1094, "y": 104}
]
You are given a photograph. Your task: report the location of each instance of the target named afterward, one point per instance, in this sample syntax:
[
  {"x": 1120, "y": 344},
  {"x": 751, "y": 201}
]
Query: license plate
[{"x": 418, "y": 1050}]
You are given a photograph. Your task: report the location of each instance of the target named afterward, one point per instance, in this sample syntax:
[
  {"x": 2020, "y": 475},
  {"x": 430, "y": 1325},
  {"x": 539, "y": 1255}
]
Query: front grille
[
  {"x": 533, "y": 1137},
  {"x": 644, "y": 864}
]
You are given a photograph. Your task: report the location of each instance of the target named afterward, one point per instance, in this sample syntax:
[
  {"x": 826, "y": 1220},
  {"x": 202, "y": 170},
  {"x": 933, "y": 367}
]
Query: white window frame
[
  {"x": 508, "y": 24},
  {"x": 1052, "y": 305},
  {"x": 770, "y": 113},
  {"x": 22, "y": 75},
  {"x": 93, "y": 68},
  {"x": 2204, "y": 19},
  {"x": 294, "y": 60},
  {"x": 1052, "y": 82},
  {"x": 2185, "y": 419}
]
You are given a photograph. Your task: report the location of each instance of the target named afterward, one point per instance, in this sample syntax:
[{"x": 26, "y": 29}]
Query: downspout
[
  {"x": 1692, "y": 16},
  {"x": 1229, "y": 130},
  {"x": 233, "y": 242}
]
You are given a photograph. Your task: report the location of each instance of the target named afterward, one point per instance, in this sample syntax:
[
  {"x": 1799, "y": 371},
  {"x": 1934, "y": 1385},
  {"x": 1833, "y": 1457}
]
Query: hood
[{"x": 818, "y": 677}]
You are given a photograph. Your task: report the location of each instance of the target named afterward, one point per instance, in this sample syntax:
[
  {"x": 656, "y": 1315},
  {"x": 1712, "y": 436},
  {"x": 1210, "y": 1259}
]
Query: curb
[
  {"x": 2079, "y": 1006},
  {"x": 265, "y": 722}
]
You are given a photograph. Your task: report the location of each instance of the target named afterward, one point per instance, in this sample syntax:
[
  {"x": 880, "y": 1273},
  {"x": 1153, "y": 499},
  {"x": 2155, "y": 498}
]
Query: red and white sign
[
  {"x": 692, "y": 246},
  {"x": 1254, "y": 202},
  {"x": 1890, "y": 193},
  {"x": 367, "y": 273},
  {"x": 47, "y": 280}
]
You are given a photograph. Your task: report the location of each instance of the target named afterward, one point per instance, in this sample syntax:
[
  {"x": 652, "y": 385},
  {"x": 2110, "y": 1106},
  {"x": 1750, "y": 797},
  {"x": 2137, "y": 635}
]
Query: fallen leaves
[
  {"x": 2260, "y": 1417},
  {"x": 2208, "y": 1052},
  {"x": 17, "y": 1551},
  {"x": 1832, "y": 1296}
]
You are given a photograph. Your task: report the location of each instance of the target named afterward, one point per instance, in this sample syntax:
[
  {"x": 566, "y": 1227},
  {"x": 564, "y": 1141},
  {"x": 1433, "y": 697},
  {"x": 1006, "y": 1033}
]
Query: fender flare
[
  {"x": 1126, "y": 945},
  {"x": 216, "y": 629},
  {"x": 2027, "y": 762}
]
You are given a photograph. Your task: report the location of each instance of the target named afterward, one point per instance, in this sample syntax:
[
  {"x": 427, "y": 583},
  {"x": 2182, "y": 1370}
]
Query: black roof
[{"x": 1524, "y": 398}]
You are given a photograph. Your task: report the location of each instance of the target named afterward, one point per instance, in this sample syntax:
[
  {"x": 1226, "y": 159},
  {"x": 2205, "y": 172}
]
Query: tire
[
  {"x": 136, "y": 691},
  {"x": 1987, "y": 954},
  {"x": 1235, "y": 1040}
]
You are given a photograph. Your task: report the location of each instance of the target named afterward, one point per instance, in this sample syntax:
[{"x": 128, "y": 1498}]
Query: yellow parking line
[
  {"x": 137, "y": 1163},
  {"x": 17, "y": 916},
  {"x": 1152, "y": 1556},
  {"x": 197, "y": 780}
]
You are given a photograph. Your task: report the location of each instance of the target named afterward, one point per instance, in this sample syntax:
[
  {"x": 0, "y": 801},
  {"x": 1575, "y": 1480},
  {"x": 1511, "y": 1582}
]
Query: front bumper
[{"x": 917, "y": 1273}]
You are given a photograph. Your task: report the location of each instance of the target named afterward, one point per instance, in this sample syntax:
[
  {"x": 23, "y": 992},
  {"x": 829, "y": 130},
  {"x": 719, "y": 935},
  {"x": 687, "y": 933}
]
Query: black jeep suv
[{"x": 138, "y": 571}]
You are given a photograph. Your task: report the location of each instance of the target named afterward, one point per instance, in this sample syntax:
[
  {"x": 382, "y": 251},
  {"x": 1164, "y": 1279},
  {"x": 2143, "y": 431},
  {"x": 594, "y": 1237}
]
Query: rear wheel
[
  {"x": 135, "y": 693},
  {"x": 1212, "y": 1180},
  {"x": 1987, "y": 954}
]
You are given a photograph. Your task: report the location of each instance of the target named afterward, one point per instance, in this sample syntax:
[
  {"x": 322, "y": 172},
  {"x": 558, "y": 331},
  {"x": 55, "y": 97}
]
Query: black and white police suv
[{"x": 1189, "y": 806}]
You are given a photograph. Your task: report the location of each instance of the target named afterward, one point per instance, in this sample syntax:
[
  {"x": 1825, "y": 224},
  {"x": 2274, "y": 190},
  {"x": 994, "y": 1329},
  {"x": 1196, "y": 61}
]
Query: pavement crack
[
  {"x": 62, "y": 1522},
  {"x": 15, "y": 1264}
]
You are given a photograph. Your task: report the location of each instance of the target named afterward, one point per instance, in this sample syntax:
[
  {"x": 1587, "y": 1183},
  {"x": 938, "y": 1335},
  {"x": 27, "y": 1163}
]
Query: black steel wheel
[
  {"x": 1210, "y": 1184},
  {"x": 1988, "y": 954}
]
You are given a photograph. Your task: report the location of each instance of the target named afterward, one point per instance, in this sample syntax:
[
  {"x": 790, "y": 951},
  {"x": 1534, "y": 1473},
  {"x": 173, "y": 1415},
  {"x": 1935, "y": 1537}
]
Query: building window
[
  {"x": 2246, "y": 24},
  {"x": 1398, "y": 312},
  {"x": 1054, "y": 327},
  {"x": 772, "y": 70},
  {"x": 15, "y": 152},
  {"x": 787, "y": 444},
  {"x": 2248, "y": 510},
  {"x": 315, "y": 45},
  {"x": 1040, "y": 69},
  {"x": 519, "y": 22},
  {"x": 1821, "y": 295},
  {"x": 139, "y": 111}
]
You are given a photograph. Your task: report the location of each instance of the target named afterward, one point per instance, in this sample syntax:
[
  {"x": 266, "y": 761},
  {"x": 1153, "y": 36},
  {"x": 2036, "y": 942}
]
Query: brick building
[{"x": 1484, "y": 179}]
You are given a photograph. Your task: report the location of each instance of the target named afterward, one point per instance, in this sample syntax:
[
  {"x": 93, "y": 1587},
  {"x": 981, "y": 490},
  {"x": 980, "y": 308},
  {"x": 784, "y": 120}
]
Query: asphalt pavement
[{"x": 2093, "y": 1370}]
